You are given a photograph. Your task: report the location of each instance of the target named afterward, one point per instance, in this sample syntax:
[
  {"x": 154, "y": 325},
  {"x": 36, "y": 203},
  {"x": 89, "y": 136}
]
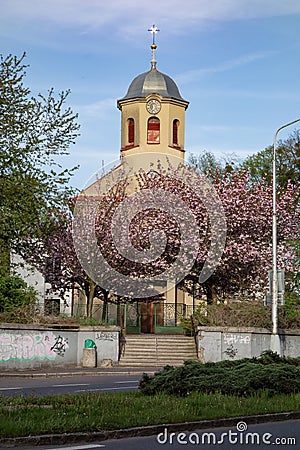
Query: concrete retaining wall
[
  {"x": 219, "y": 343},
  {"x": 32, "y": 347}
]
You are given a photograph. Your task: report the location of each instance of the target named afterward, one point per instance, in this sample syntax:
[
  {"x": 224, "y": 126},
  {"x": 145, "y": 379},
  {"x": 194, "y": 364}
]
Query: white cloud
[
  {"x": 98, "y": 109},
  {"x": 191, "y": 75},
  {"x": 290, "y": 93},
  {"x": 130, "y": 15}
]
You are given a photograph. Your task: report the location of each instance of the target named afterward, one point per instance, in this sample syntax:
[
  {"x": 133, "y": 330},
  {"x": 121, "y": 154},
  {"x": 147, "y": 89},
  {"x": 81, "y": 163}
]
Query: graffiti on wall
[
  {"x": 230, "y": 338},
  {"x": 60, "y": 345},
  {"x": 231, "y": 352},
  {"x": 41, "y": 345},
  {"x": 107, "y": 336}
]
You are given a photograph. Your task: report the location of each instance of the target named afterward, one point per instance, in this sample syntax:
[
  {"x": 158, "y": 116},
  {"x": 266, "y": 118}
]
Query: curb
[
  {"x": 72, "y": 374},
  {"x": 72, "y": 438}
]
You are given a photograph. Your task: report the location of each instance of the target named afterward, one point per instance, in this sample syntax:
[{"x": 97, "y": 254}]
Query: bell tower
[{"x": 152, "y": 113}]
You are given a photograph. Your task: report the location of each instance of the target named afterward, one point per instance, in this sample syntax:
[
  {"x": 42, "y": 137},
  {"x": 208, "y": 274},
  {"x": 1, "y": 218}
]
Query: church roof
[{"x": 153, "y": 82}]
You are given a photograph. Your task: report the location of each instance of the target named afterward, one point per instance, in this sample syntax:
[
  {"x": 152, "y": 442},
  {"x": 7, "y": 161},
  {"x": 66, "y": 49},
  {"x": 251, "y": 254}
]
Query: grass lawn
[{"x": 116, "y": 410}]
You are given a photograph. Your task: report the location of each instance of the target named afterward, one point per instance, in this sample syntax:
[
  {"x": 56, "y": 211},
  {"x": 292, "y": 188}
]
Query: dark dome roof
[{"x": 153, "y": 82}]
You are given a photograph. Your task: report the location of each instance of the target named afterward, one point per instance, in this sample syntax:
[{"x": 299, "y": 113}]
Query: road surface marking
[
  {"x": 70, "y": 385},
  {"x": 110, "y": 389},
  {"x": 105, "y": 389},
  {"x": 79, "y": 447},
  {"x": 123, "y": 382},
  {"x": 10, "y": 389}
]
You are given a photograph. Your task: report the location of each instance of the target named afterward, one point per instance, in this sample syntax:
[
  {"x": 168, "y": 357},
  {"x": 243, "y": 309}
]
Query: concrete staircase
[{"x": 157, "y": 350}]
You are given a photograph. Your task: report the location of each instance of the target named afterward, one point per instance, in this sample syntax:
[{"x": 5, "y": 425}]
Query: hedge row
[{"x": 243, "y": 377}]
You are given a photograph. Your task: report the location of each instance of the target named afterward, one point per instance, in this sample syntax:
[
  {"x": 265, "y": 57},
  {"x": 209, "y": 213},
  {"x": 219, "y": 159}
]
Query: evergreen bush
[{"x": 245, "y": 377}]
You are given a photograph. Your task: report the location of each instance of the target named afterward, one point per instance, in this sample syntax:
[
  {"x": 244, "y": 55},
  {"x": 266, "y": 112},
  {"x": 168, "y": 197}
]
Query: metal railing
[
  {"x": 170, "y": 314},
  {"x": 129, "y": 315}
]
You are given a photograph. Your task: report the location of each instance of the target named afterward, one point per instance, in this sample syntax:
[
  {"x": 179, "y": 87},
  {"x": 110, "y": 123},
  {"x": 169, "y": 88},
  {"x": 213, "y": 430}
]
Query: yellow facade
[{"x": 171, "y": 110}]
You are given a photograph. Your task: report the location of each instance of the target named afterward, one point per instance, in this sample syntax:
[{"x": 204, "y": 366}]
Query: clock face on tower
[{"x": 153, "y": 106}]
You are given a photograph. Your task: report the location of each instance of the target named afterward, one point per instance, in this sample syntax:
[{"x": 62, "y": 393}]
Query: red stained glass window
[
  {"x": 175, "y": 132},
  {"x": 130, "y": 131},
  {"x": 153, "y": 136}
]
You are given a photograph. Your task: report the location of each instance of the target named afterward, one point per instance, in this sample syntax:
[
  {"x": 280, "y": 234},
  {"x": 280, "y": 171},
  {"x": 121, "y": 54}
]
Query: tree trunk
[
  {"x": 211, "y": 294},
  {"x": 105, "y": 305},
  {"x": 90, "y": 299}
]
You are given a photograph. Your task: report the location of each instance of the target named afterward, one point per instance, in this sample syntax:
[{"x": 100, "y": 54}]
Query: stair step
[{"x": 157, "y": 351}]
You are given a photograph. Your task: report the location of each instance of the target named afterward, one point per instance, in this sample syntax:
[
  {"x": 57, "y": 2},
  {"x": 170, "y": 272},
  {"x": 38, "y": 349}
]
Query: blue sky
[{"x": 235, "y": 61}]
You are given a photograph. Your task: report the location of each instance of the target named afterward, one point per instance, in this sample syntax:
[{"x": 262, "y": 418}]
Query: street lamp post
[{"x": 275, "y": 340}]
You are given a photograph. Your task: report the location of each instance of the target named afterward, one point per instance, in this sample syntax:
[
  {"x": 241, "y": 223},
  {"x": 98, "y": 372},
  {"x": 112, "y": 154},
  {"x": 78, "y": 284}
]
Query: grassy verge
[{"x": 107, "y": 411}]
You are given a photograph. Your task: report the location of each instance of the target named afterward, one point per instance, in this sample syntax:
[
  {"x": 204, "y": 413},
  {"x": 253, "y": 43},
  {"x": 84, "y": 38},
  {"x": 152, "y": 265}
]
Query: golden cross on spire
[{"x": 153, "y": 30}]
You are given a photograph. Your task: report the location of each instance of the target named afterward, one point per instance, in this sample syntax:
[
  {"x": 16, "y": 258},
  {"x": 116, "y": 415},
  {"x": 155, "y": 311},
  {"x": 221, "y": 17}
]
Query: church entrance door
[{"x": 147, "y": 317}]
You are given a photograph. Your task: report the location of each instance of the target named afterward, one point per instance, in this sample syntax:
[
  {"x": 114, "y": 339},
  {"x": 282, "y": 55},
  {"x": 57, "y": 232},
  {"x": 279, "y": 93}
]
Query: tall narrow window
[
  {"x": 153, "y": 136},
  {"x": 130, "y": 131},
  {"x": 175, "y": 132}
]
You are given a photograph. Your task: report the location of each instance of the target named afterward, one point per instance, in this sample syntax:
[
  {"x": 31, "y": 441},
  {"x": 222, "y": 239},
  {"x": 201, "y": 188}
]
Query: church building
[{"x": 152, "y": 122}]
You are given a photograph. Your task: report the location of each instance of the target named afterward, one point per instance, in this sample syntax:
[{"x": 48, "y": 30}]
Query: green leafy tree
[
  {"x": 14, "y": 292},
  {"x": 287, "y": 161},
  {"x": 206, "y": 163},
  {"x": 34, "y": 133}
]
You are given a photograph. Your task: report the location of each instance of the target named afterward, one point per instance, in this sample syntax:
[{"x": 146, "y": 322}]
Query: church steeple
[
  {"x": 153, "y": 30},
  {"x": 153, "y": 113}
]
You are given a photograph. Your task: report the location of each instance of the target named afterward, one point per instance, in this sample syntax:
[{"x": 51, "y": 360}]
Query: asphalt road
[
  {"x": 11, "y": 386},
  {"x": 278, "y": 435}
]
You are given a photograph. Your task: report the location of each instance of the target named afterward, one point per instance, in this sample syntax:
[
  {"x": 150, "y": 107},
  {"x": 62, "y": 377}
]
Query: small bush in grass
[{"x": 244, "y": 377}]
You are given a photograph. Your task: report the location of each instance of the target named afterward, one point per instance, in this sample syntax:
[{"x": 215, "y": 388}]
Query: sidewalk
[{"x": 77, "y": 371}]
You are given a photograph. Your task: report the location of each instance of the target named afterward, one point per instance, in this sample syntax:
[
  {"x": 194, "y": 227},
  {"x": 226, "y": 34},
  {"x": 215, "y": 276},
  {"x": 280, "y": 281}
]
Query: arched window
[
  {"x": 130, "y": 131},
  {"x": 153, "y": 134},
  {"x": 175, "y": 132}
]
